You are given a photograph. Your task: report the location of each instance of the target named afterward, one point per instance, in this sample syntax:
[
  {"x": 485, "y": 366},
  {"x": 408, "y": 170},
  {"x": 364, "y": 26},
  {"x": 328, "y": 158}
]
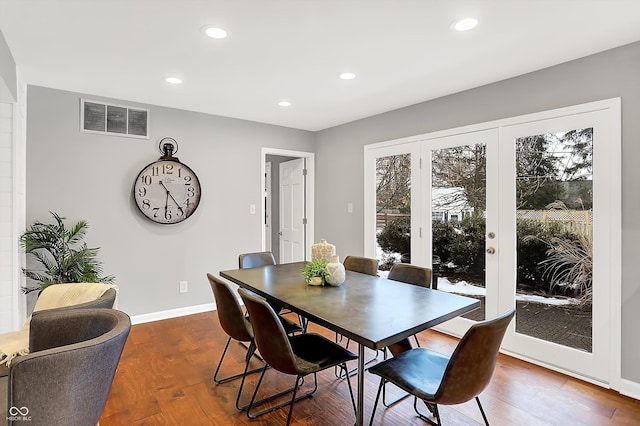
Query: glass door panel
[
  {"x": 392, "y": 232},
  {"x": 393, "y": 210},
  {"x": 460, "y": 175},
  {"x": 556, "y": 188},
  {"x": 458, "y": 226},
  {"x": 554, "y": 206}
]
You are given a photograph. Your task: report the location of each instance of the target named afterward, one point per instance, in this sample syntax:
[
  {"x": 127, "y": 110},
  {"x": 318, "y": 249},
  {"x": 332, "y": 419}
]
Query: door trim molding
[{"x": 309, "y": 188}]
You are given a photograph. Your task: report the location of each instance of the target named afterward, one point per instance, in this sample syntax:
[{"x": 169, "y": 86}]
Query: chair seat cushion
[
  {"x": 418, "y": 371},
  {"x": 315, "y": 352}
]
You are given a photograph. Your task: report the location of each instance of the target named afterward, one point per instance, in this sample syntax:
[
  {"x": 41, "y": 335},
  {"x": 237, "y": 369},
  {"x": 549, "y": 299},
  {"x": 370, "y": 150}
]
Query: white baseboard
[
  {"x": 629, "y": 388},
  {"x": 172, "y": 313}
]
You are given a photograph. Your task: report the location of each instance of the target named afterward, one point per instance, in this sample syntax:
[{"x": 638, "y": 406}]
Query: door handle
[{"x": 491, "y": 250}]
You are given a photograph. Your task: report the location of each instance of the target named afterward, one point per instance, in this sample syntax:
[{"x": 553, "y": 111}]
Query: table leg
[{"x": 360, "y": 413}]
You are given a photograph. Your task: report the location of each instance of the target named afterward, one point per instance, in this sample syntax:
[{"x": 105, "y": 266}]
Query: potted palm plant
[{"x": 60, "y": 255}]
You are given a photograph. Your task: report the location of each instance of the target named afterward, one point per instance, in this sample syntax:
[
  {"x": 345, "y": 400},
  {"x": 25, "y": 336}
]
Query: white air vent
[{"x": 111, "y": 119}]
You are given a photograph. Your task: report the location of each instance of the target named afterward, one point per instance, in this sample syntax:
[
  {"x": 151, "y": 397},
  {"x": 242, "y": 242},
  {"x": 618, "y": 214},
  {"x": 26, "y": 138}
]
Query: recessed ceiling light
[
  {"x": 284, "y": 103},
  {"x": 465, "y": 24},
  {"x": 347, "y": 76},
  {"x": 173, "y": 80},
  {"x": 215, "y": 32}
]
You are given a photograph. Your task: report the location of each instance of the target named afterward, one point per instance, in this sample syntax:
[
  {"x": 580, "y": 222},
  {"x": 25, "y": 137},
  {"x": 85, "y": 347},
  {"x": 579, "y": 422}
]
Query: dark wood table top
[{"x": 372, "y": 311}]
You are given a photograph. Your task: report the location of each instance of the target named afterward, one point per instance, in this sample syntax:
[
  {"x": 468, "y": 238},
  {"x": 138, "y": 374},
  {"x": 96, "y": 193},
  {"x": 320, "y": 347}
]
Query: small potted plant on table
[{"x": 315, "y": 273}]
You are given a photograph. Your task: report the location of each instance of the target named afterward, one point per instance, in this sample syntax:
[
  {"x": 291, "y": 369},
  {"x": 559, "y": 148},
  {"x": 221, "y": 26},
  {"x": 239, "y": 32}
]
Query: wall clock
[{"x": 167, "y": 191}]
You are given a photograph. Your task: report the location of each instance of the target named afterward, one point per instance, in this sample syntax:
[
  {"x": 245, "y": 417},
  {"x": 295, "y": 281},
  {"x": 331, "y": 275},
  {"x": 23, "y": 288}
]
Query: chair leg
[
  {"x": 375, "y": 404},
  {"x": 395, "y": 401},
  {"x": 434, "y": 410},
  {"x": 354, "y": 370},
  {"x": 415, "y": 336},
  {"x": 251, "y": 352},
  {"x": 254, "y": 403},
  {"x": 486, "y": 422}
]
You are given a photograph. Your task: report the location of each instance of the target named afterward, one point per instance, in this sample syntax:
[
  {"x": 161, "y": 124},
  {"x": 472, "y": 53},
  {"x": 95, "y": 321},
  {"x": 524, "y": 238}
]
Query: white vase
[
  {"x": 337, "y": 273},
  {"x": 322, "y": 251}
]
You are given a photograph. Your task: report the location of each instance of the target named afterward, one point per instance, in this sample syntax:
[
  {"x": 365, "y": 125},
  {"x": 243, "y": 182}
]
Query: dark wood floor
[{"x": 165, "y": 378}]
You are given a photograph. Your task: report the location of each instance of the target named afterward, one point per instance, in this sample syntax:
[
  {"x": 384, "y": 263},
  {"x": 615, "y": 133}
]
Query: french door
[
  {"x": 522, "y": 213},
  {"x": 579, "y": 152}
]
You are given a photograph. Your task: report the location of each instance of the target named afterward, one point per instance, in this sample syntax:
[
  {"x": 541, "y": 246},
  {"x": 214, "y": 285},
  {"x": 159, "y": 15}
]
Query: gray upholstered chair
[
  {"x": 298, "y": 355},
  {"x": 66, "y": 377},
  {"x": 447, "y": 380},
  {"x": 106, "y": 301}
]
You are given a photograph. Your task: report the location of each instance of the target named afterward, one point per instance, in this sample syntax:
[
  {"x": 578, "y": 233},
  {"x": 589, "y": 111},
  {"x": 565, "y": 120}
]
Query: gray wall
[
  {"x": 89, "y": 176},
  {"x": 614, "y": 73}
]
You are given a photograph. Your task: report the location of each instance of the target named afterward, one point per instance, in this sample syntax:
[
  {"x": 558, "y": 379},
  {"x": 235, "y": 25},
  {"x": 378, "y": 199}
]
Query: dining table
[{"x": 372, "y": 311}]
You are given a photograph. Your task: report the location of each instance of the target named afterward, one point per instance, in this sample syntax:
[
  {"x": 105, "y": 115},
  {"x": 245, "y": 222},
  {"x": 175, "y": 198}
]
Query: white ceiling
[{"x": 403, "y": 51}]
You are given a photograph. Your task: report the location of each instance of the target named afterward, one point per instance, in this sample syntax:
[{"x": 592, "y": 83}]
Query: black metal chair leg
[
  {"x": 434, "y": 410},
  {"x": 251, "y": 352},
  {"x": 375, "y": 404},
  {"x": 254, "y": 403},
  {"x": 486, "y": 422},
  {"x": 395, "y": 401}
]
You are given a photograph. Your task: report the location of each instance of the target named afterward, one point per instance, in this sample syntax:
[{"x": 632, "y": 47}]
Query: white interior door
[{"x": 292, "y": 211}]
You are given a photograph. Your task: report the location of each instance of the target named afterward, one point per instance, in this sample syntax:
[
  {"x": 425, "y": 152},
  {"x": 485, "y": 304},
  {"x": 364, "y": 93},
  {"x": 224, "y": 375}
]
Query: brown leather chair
[
  {"x": 440, "y": 379},
  {"x": 237, "y": 327},
  {"x": 364, "y": 265},
  {"x": 297, "y": 355},
  {"x": 257, "y": 259},
  {"x": 67, "y": 376},
  {"x": 410, "y": 274},
  {"x": 264, "y": 258}
]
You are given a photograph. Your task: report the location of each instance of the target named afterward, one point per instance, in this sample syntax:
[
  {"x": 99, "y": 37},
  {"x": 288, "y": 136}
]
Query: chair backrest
[
  {"x": 364, "y": 265},
  {"x": 106, "y": 301},
  {"x": 254, "y": 260},
  {"x": 472, "y": 363},
  {"x": 230, "y": 314},
  {"x": 410, "y": 274},
  {"x": 68, "y": 373},
  {"x": 270, "y": 336}
]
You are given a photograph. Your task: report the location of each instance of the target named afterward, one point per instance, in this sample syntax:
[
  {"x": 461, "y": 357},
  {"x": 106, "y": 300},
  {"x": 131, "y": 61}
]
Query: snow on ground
[{"x": 463, "y": 287}]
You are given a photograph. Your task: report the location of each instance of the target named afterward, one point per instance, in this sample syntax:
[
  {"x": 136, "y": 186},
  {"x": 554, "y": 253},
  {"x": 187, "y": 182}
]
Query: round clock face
[{"x": 167, "y": 191}]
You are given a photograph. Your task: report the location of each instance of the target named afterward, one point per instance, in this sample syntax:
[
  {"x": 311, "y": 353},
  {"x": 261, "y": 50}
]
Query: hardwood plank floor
[{"x": 165, "y": 378}]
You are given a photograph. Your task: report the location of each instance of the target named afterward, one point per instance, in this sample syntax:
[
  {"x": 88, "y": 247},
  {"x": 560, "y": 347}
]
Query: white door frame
[
  {"x": 309, "y": 190},
  {"x": 267, "y": 225},
  {"x": 613, "y": 106}
]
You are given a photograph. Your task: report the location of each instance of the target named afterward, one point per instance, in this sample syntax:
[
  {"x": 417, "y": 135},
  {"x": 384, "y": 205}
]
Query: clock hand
[
  {"x": 166, "y": 202},
  {"x": 169, "y": 195}
]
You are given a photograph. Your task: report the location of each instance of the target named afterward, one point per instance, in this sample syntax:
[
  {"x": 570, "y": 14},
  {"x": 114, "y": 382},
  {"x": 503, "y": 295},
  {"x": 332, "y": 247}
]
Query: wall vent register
[{"x": 112, "y": 119}]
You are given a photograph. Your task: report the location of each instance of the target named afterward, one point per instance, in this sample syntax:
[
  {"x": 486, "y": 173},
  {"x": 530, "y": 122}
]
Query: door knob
[{"x": 491, "y": 250}]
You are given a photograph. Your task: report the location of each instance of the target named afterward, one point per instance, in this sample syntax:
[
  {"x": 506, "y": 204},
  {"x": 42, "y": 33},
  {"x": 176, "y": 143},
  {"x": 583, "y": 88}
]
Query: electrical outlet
[{"x": 184, "y": 286}]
